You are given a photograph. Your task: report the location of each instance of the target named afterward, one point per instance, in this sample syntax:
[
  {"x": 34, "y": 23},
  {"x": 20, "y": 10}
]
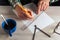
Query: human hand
[
  {"x": 42, "y": 6},
  {"x": 23, "y": 12}
]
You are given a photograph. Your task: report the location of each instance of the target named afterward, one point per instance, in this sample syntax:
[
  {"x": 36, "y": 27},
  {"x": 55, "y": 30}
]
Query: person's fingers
[
  {"x": 20, "y": 13},
  {"x": 42, "y": 6},
  {"x": 22, "y": 16},
  {"x": 29, "y": 13},
  {"x": 39, "y": 7},
  {"x": 26, "y": 13},
  {"x": 45, "y": 6},
  {"x": 27, "y": 16}
]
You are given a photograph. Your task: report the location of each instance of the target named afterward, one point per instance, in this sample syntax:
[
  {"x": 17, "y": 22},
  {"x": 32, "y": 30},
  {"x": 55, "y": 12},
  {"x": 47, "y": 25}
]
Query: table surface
[{"x": 53, "y": 12}]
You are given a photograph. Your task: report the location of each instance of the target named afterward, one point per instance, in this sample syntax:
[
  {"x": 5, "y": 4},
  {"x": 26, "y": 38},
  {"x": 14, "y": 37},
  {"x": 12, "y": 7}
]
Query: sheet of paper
[{"x": 42, "y": 20}]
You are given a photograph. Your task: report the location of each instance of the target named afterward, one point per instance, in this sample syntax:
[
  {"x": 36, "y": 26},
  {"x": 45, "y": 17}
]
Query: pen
[
  {"x": 39, "y": 30},
  {"x": 34, "y": 33},
  {"x": 42, "y": 31}
]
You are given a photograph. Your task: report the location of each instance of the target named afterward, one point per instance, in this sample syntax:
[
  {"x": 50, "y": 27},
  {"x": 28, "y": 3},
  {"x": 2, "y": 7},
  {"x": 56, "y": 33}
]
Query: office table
[{"x": 53, "y": 12}]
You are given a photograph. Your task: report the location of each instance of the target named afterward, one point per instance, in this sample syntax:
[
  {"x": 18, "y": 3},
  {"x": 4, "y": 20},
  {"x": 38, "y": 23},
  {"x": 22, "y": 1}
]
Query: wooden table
[{"x": 53, "y": 12}]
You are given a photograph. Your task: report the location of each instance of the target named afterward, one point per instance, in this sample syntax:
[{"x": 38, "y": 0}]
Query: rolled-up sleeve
[
  {"x": 13, "y": 2},
  {"x": 23, "y": 2}
]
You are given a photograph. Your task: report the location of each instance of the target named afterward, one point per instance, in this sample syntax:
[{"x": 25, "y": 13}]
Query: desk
[{"x": 54, "y": 12}]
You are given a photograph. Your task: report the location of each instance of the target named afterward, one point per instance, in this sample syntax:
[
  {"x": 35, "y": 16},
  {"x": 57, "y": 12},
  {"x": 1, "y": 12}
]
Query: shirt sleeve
[
  {"x": 13, "y": 2},
  {"x": 23, "y": 2}
]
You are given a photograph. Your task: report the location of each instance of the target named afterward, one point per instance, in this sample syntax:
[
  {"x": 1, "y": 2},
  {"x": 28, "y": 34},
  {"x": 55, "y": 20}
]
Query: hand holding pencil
[{"x": 23, "y": 12}]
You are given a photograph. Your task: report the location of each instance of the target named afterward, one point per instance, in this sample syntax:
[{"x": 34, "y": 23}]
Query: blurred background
[{"x": 52, "y": 2}]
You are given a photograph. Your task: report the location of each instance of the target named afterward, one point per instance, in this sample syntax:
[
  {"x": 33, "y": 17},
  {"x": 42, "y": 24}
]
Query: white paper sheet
[{"x": 42, "y": 21}]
